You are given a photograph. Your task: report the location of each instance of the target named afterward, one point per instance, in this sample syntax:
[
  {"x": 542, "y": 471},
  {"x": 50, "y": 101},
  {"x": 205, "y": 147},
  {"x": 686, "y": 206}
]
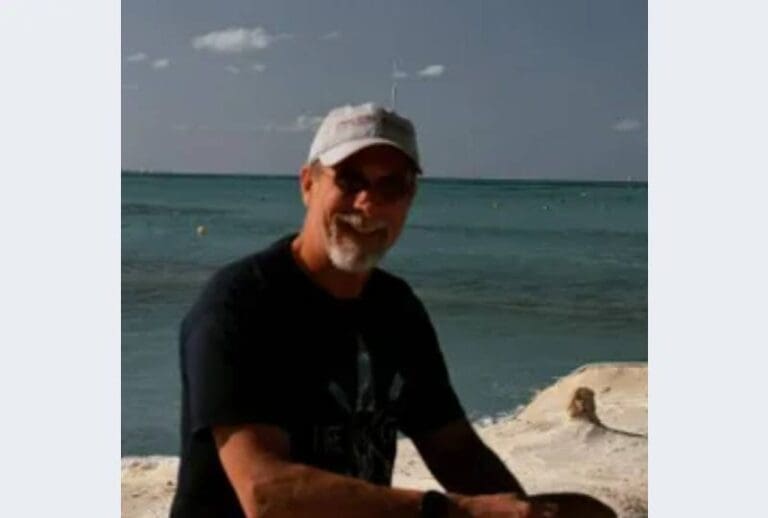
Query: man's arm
[
  {"x": 462, "y": 463},
  {"x": 268, "y": 485}
]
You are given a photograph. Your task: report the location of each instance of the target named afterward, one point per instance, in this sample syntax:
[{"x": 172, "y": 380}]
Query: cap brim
[{"x": 343, "y": 151}]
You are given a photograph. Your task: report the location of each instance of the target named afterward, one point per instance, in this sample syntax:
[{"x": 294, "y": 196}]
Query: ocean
[{"x": 524, "y": 281}]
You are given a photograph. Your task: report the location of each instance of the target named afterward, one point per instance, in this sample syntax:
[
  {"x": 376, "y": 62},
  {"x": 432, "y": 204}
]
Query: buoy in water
[{"x": 201, "y": 230}]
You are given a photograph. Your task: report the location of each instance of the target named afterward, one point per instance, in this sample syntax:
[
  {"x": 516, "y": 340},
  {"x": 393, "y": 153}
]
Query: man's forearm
[
  {"x": 462, "y": 463},
  {"x": 297, "y": 490},
  {"x": 478, "y": 471}
]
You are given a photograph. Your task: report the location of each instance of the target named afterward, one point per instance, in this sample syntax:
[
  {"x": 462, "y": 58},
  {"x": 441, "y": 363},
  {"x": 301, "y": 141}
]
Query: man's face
[{"x": 358, "y": 208}]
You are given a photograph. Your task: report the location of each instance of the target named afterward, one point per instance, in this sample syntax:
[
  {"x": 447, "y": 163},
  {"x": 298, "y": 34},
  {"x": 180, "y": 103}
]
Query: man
[{"x": 300, "y": 363}]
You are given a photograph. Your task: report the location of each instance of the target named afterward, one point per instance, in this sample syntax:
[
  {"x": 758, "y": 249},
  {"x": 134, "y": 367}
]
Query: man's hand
[{"x": 501, "y": 505}]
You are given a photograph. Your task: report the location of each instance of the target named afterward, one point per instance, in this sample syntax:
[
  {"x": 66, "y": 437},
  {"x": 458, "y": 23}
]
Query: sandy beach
[{"x": 551, "y": 445}]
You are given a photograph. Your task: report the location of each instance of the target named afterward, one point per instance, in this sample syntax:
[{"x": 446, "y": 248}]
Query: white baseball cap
[{"x": 348, "y": 129}]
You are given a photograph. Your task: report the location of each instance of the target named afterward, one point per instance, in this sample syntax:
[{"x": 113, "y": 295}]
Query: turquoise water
[{"x": 524, "y": 281}]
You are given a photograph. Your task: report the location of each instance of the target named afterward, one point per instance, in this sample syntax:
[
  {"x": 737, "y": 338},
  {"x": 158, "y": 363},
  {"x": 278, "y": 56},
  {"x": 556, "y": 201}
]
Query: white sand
[{"x": 546, "y": 449}]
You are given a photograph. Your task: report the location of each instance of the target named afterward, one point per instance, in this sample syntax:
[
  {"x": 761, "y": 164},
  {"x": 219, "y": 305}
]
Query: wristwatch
[{"x": 434, "y": 504}]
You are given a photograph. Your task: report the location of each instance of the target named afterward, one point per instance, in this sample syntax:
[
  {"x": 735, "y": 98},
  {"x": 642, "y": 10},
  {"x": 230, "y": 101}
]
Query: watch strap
[{"x": 434, "y": 504}]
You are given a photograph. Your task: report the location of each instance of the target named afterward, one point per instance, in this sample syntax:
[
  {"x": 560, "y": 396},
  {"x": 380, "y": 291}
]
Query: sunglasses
[{"x": 387, "y": 189}]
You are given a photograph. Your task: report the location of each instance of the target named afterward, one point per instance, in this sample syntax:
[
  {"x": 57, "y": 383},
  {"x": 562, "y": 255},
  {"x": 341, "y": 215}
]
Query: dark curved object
[{"x": 575, "y": 505}]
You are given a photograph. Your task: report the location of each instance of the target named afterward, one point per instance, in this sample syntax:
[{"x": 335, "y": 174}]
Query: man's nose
[{"x": 364, "y": 201}]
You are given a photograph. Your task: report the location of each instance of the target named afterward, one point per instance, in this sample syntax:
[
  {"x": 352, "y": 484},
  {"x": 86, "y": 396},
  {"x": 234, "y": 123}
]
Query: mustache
[{"x": 360, "y": 223}]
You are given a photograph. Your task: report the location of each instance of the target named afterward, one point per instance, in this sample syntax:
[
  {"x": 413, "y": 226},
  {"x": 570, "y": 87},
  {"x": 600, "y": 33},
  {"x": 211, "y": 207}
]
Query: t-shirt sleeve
[
  {"x": 231, "y": 373},
  {"x": 428, "y": 399}
]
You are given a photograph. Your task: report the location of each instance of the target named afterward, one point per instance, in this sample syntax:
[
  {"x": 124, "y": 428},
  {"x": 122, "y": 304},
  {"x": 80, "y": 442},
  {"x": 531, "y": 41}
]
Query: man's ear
[
  {"x": 415, "y": 191},
  {"x": 306, "y": 179}
]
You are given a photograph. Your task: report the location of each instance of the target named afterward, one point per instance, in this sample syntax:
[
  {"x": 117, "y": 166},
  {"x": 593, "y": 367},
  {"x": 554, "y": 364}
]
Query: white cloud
[
  {"x": 400, "y": 74},
  {"x": 432, "y": 71},
  {"x": 232, "y": 128},
  {"x": 235, "y": 40},
  {"x": 302, "y": 123},
  {"x": 161, "y": 63},
  {"x": 626, "y": 124},
  {"x": 335, "y": 35},
  {"x": 232, "y": 69},
  {"x": 259, "y": 67},
  {"x": 306, "y": 122},
  {"x": 136, "y": 57}
]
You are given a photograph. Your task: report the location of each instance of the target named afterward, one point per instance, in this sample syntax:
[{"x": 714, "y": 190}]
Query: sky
[{"x": 529, "y": 89}]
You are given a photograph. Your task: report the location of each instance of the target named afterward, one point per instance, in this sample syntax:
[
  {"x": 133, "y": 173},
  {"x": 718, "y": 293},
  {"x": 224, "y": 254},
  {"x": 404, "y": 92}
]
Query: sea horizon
[{"x": 424, "y": 178}]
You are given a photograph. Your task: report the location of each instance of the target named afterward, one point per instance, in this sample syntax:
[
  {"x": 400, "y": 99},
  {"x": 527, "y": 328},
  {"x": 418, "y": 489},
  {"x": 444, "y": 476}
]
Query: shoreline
[{"x": 546, "y": 448}]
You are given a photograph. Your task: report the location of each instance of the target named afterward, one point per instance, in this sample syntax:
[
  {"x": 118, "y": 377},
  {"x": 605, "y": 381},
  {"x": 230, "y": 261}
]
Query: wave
[
  {"x": 465, "y": 228},
  {"x": 154, "y": 209}
]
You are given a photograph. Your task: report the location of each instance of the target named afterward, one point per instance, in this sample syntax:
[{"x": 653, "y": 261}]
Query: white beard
[{"x": 346, "y": 253}]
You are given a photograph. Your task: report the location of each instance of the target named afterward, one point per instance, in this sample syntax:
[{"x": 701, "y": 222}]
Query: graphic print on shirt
[{"x": 367, "y": 438}]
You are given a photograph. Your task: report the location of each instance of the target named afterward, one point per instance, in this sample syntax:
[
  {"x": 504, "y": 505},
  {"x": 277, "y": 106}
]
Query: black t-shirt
[{"x": 264, "y": 344}]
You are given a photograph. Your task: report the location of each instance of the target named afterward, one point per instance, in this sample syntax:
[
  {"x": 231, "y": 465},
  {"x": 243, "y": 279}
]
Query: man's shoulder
[
  {"x": 244, "y": 278},
  {"x": 390, "y": 282},
  {"x": 393, "y": 288}
]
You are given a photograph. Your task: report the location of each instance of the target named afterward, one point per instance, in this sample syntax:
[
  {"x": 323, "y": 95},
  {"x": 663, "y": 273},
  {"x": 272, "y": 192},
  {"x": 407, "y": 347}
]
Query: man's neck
[{"x": 312, "y": 258}]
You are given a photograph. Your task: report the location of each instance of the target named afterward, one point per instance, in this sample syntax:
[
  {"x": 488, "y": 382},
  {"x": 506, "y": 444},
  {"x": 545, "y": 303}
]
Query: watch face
[{"x": 434, "y": 504}]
